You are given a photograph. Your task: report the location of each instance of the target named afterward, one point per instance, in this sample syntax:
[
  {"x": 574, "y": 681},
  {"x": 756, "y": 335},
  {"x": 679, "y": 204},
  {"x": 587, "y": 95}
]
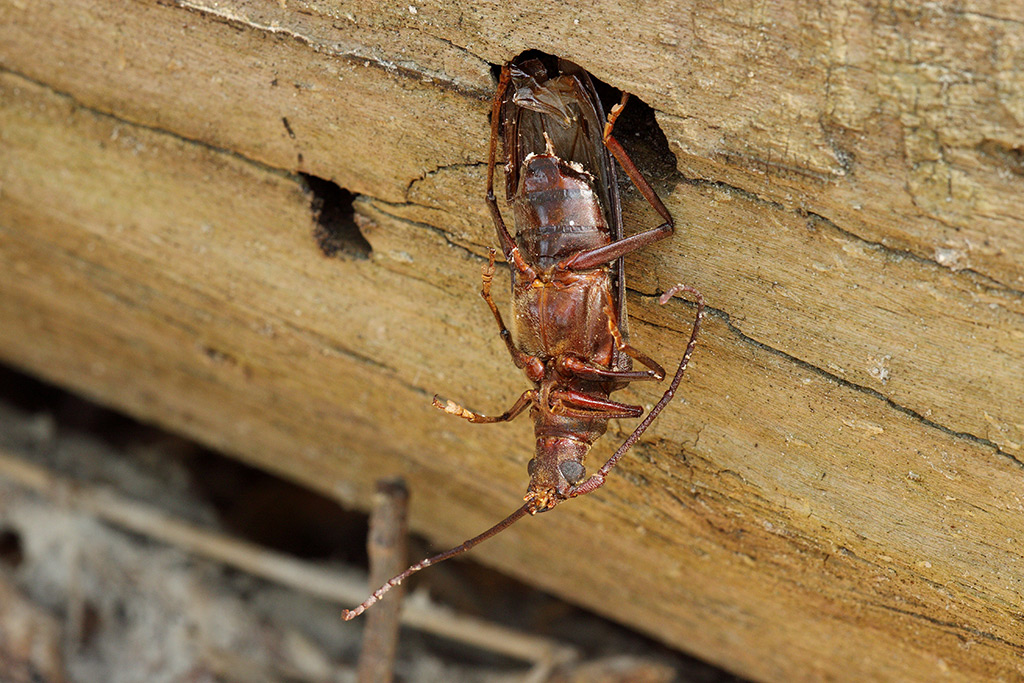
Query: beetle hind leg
[{"x": 656, "y": 372}]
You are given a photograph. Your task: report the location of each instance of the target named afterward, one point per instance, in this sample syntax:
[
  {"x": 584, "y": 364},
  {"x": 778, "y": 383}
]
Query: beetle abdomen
[{"x": 557, "y": 213}]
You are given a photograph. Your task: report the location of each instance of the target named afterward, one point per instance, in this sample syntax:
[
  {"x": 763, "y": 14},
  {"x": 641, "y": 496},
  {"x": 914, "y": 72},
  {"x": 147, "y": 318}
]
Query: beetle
[{"x": 568, "y": 329}]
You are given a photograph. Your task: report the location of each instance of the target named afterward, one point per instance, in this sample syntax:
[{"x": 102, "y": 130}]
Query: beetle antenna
[{"x": 379, "y": 593}]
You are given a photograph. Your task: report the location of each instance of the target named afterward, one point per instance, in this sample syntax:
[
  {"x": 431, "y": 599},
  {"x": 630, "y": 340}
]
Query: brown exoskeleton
[{"x": 568, "y": 331}]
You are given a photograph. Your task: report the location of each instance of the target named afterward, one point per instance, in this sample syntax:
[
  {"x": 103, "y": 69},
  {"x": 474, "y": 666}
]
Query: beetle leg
[
  {"x": 592, "y": 258},
  {"x": 453, "y": 408},
  {"x": 533, "y": 365},
  {"x": 571, "y": 365},
  {"x": 657, "y": 372},
  {"x": 594, "y": 406},
  {"x": 591, "y": 371},
  {"x": 597, "y": 480},
  {"x": 505, "y": 239},
  {"x": 630, "y": 168}
]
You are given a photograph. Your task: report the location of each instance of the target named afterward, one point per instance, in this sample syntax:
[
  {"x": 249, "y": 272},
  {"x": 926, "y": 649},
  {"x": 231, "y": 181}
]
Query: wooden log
[{"x": 837, "y": 491}]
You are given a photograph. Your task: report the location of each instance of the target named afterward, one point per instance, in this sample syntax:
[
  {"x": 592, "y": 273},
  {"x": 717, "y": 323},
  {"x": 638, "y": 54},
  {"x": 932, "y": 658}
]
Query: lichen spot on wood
[{"x": 334, "y": 226}]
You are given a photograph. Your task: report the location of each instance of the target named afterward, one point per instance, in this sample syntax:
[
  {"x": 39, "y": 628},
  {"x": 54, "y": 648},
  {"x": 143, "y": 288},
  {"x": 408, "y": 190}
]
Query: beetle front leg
[
  {"x": 581, "y": 369},
  {"x": 590, "y": 406},
  {"x": 453, "y": 408}
]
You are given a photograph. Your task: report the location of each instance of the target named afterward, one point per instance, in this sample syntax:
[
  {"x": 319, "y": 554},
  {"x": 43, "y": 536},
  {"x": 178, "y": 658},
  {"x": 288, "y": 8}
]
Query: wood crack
[
  {"x": 873, "y": 393},
  {"x": 959, "y": 628},
  {"x": 432, "y": 172},
  {"x": 361, "y": 55},
  {"x": 111, "y": 116},
  {"x": 807, "y": 365}
]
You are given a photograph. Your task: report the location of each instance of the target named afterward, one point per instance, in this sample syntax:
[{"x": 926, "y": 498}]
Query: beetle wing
[{"x": 563, "y": 109}]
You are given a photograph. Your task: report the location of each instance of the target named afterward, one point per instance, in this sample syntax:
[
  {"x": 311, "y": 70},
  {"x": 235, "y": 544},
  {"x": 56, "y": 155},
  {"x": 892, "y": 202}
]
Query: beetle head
[{"x": 554, "y": 471}]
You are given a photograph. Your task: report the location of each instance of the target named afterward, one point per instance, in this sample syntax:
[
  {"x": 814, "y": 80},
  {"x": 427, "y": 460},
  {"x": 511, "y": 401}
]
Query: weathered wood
[{"x": 837, "y": 493}]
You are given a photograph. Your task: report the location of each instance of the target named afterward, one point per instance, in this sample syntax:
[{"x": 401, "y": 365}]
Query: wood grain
[{"x": 838, "y": 491}]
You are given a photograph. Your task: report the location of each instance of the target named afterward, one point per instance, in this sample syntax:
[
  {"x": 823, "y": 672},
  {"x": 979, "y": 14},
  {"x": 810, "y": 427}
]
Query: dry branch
[
  {"x": 387, "y": 544},
  {"x": 298, "y": 575}
]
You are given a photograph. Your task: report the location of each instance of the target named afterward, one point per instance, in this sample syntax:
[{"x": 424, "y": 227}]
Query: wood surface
[{"x": 838, "y": 491}]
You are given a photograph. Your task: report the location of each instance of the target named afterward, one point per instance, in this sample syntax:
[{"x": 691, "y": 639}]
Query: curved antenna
[
  {"x": 671, "y": 391},
  {"x": 596, "y": 480},
  {"x": 349, "y": 614}
]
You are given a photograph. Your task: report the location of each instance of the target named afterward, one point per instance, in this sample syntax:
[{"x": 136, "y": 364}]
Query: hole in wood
[
  {"x": 335, "y": 229},
  {"x": 1007, "y": 156},
  {"x": 11, "y": 552}
]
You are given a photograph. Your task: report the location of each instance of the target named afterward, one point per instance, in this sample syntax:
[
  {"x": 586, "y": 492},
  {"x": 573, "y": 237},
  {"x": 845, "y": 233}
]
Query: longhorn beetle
[{"x": 568, "y": 331}]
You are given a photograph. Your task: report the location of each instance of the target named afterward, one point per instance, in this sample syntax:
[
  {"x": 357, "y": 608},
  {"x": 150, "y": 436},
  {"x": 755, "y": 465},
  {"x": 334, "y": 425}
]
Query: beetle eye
[
  {"x": 572, "y": 471},
  {"x": 531, "y": 466}
]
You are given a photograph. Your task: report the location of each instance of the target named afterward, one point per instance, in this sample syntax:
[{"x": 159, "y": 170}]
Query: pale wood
[{"x": 837, "y": 491}]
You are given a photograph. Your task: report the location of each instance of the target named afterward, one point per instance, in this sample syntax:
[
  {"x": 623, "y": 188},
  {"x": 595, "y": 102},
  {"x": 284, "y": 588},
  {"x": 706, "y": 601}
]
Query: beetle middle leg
[
  {"x": 533, "y": 365},
  {"x": 596, "y": 480},
  {"x": 587, "y": 370},
  {"x": 656, "y": 372}
]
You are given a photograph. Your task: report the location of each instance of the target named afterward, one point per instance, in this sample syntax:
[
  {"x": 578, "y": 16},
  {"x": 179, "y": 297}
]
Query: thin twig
[
  {"x": 417, "y": 612},
  {"x": 386, "y": 545}
]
